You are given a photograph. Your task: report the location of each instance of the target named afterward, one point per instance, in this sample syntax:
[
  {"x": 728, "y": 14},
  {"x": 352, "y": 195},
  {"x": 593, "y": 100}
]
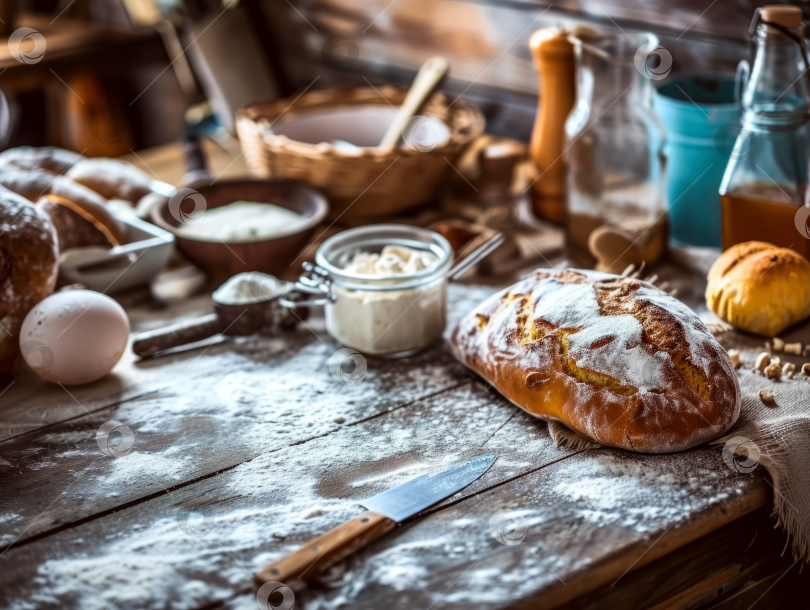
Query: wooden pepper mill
[{"x": 554, "y": 60}]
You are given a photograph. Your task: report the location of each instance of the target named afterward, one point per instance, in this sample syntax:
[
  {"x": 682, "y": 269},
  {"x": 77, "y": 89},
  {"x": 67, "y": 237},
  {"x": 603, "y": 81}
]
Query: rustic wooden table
[{"x": 229, "y": 455}]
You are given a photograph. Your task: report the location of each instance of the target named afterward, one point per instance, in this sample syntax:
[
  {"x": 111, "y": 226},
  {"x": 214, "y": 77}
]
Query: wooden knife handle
[
  {"x": 154, "y": 341},
  {"x": 331, "y": 547}
]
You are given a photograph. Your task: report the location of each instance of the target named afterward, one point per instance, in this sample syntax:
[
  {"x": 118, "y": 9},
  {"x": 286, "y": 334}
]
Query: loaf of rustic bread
[
  {"x": 615, "y": 359},
  {"x": 29, "y": 256}
]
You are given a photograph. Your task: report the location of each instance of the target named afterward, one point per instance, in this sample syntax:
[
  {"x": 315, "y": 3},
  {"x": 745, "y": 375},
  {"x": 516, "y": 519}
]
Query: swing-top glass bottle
[{"x": 764, "y": 190}]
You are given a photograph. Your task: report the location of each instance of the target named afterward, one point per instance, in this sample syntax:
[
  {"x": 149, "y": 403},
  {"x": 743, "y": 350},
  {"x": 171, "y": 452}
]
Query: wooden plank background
[{"x": 486, "y": 42}]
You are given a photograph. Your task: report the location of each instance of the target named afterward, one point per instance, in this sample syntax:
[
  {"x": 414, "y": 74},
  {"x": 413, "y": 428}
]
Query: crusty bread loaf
[
  {"x": 617, "y": 360},
  {"x": 111, "y": 178},
  {"x": 32, "y": 172},
  {"x": 760, "y": 287},
  {"x": 49, "y": 158},
  {"x": 28, "y": 268},
  {"x": 33, "y": 184}
]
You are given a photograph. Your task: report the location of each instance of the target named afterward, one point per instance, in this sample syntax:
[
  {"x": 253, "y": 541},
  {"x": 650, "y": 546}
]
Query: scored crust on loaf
[{"x": 615, "y": 359}]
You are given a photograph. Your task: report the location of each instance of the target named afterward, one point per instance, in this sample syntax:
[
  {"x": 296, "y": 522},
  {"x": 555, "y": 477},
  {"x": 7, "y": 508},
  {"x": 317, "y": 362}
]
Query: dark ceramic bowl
[{"x": 221, "y": 260}]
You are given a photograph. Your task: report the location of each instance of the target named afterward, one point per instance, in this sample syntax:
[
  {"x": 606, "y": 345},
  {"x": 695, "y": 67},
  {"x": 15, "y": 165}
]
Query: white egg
[{"x": 74, "y": 337}]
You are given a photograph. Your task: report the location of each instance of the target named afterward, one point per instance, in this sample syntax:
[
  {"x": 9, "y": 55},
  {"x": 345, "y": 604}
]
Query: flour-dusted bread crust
[
  {"x": 34, "y": 172},
  {"x": 35, "y": 183},
  {"x": 111, "y": 178},
  {"x": 28, "y": 268},
  {"x": 615, "y": 359},
  {"x": 49, "y": 158}
]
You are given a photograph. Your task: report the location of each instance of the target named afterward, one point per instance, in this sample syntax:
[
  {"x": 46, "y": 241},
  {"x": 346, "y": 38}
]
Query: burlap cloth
[
  {"x": 775, "y": 436},
  {"x": 778, "y": 437}
]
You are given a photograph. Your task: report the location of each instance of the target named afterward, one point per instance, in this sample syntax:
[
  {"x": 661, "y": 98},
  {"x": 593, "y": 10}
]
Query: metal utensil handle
[
  {"x": 306, "y": 284},
  {"x": 316, "y": 281},
  {"x": 305, "y": 303},
  {"x": 476, "y": 256}
]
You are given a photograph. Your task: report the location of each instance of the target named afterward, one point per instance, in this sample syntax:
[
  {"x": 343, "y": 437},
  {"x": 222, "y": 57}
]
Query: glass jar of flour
[{"x": 384, "y": 288}]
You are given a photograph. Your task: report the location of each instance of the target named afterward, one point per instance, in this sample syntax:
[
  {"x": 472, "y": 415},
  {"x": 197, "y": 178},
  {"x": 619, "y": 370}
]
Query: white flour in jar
[{"x": 389, "y": 321}]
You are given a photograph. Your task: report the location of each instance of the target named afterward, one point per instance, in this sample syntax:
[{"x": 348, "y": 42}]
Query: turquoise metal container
[{"x": 702, "y": 121}]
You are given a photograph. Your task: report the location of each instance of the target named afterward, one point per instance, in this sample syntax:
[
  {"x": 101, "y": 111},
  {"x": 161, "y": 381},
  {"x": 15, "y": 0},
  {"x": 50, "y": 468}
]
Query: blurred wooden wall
[{"x": 486, "y": 42}]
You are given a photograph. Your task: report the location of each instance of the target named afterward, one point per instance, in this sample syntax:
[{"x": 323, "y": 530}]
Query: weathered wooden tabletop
[{"x": 236, "y": 452}]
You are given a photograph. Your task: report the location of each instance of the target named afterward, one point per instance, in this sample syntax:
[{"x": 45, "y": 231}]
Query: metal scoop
[{"x": 246, "y": 304}]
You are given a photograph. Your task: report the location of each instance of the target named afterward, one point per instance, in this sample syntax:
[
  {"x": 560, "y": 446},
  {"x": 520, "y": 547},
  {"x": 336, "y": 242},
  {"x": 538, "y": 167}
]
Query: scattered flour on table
[
  {"x": 400, "y": 567},
  {"x": 637, "y": 497},
  {"x": 147, "y": 564},
  {"x": 7, "y": 518},
  {"x": 281, "y": 500},
  {"x": 142, "y": 465},
  {"x": 637, "y": 493},
  {"x": 150, "y": 562},
  {"x": 597, "y": 498}
]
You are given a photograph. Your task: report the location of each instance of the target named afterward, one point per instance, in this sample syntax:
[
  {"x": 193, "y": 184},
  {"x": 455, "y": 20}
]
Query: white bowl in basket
[
  {"x": 304, "y": 139},
  {"x": 363, "y": 127}
]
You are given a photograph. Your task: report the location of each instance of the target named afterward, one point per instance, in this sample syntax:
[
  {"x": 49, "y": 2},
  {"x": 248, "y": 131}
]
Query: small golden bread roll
[
  {"x": 759, "y": 287},
  {"x": 615, "y": 359},
  {"x": 81, "y": 223}
]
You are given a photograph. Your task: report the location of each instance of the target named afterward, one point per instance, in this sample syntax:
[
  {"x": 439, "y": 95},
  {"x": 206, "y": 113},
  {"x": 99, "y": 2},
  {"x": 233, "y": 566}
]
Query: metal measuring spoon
[{"x": 246, "y": 304}]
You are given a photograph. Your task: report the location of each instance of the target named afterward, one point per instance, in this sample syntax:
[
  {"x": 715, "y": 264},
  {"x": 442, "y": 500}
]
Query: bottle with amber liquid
[{"x": 765, "y": 184}]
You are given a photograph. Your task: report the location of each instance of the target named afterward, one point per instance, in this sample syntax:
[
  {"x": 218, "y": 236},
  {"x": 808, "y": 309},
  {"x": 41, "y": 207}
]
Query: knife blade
[
  {"x": 411, "y": 497},
  {"x": 385, "y": 510}
]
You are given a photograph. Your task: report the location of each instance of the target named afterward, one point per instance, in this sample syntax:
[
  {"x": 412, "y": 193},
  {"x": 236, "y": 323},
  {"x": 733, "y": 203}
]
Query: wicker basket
[{"x": 367, "y": 182}]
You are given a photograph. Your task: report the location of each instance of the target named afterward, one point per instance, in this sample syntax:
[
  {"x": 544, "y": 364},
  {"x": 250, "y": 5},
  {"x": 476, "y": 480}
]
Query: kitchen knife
[{"x": 385, "y": 510}]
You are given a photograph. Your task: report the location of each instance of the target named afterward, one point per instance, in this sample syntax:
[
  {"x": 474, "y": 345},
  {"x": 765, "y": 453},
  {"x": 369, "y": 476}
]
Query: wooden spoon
[
  {"x": 427, "y": 80},
  {"x": 615, "y": 249}
]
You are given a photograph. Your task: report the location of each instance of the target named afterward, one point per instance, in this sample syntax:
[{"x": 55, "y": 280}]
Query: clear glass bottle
[
  {"x": 766, "y": 179},
  {"x": 614, "y": 144}
]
